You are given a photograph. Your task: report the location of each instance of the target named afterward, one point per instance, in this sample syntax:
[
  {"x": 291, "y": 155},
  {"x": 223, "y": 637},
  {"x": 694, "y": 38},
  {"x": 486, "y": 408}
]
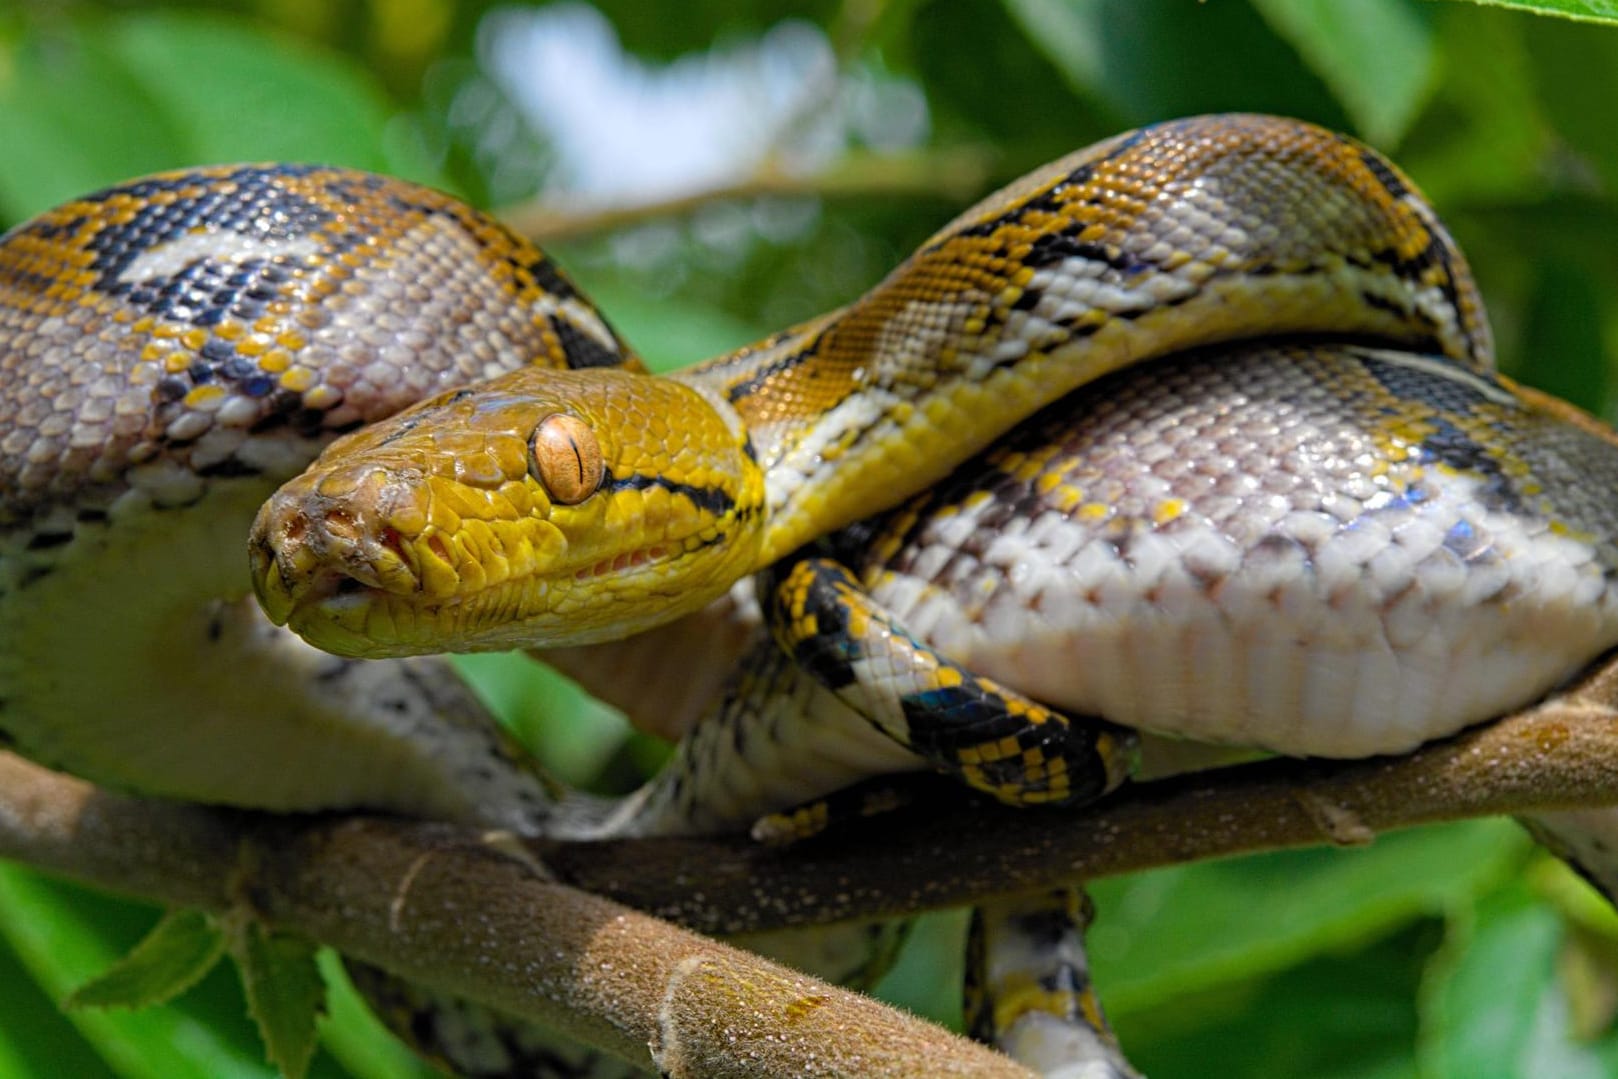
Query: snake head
[{"x": 541, "y": 508}]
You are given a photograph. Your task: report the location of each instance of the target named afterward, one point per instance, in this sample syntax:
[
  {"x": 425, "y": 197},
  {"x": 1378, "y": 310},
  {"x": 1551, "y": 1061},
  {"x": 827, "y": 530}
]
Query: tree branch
[
  {"x": 952, "y": 175},
  {"x": 449, "y": 908},
  {"x": 444, "y": 906},
  {"x": 1562, "y": 754}
]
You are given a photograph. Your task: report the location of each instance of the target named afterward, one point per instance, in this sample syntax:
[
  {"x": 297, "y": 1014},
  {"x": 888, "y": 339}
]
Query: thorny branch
[{"x": 445, "y": 907}]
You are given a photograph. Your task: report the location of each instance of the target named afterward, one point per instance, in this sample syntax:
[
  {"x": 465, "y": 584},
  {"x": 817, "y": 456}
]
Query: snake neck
[{"x": 1185, "y": 234}]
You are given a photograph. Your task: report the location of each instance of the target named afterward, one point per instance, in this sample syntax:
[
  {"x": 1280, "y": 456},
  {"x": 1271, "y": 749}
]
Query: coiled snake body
[
  {"x": 1389, "y": 546},
  {"x": 171, "y": 349}
]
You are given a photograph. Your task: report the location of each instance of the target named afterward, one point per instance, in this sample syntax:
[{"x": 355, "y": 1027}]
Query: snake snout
[{"x": 311, "y": 546}]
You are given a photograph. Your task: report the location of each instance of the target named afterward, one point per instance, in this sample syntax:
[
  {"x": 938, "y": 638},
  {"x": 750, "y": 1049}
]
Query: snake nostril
[
  {"x": 294, "y": 529},
  {"x": 340, "y": 524}
]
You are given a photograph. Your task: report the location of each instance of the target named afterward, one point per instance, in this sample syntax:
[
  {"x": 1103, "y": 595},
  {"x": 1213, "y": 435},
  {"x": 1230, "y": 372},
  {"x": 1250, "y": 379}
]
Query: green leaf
[
  {"x": 926, "y": 978},
  {"x": 1151, "y": 59},
  {"x": 1563, "y": 332},
  {"x": 670, "y": 334},
  {"x": 1576, "y": 899},
  {"x": 1575, "y": 68},
  {"x": 235, "y": 92},
  {"x": 64, "y": 935},
  {"x": 1336, "y": 1016},
  {"x": 72, "y": 119},
  {"x": 1484, "y": 990},
  {"x": 35, "y": 1039},
  {"x": 180, "y": 949},
  {"x": 285, "y": 994},
  {"x": 567, "y": 728},
  {"x": 1493, "y": 1005},
  {"x": 1483, "y": 135},
  {"x": 1518, "y": 249},
  {"x": 87, "y": 104},
  {"x": 355, "y": 1037},
  {"x": 1605, "y": 11},
  {"x": 1377, "y": 56},
  {"x": 1188, "y": 928}
]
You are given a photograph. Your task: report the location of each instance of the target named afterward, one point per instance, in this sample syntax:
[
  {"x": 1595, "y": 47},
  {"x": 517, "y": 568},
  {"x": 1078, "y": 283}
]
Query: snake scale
[{"x": 172, "y": 349}]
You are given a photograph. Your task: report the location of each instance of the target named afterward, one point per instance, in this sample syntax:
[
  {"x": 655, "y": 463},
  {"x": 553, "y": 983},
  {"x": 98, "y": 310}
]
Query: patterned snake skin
[
  {"x": 1308, "y": 547},
  {"x": 1184, "y": 234},
  {"x": 172, "y": 349}
]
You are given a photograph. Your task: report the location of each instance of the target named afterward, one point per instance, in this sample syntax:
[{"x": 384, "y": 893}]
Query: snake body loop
[
  {"x": 170, "y": 350},
  {"x": 1187, "y": 233}
]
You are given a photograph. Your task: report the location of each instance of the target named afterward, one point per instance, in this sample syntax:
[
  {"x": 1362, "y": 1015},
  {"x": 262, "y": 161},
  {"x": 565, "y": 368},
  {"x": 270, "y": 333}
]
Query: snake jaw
[{"x": 355, "y": 614}]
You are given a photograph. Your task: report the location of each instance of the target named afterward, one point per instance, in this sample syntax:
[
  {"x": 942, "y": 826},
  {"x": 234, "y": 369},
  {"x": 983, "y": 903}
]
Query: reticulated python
[
  {"x": 175, "y": 346},
  {"x": 1392, "y": 546},
  {"x": 1326, "y": 550},
  {"x": 1185, "y": 234}
]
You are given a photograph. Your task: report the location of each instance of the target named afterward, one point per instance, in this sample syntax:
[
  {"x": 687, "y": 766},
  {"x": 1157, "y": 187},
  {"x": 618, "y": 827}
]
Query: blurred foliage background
[{"x": 714, "y": 169}]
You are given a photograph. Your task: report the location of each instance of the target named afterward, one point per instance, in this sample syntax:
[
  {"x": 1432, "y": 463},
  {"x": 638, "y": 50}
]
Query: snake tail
[{"x": 1028, "y": 988}]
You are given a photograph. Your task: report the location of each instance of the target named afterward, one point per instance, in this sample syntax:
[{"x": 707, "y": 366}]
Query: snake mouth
[
  {"x": 336, "y": 608},
  {"x": 304, "y": 562},
  {"x": 356, "y": 589},
  {"x": 324, "y": 610}
]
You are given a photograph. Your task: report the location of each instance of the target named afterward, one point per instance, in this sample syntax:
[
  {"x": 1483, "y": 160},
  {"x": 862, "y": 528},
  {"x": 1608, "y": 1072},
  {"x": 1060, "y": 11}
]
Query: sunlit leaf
[
  {"x": 234, "y": 92},
  {"x": 88, "y": 105},
  {"x": 73, "y": 119},
  {"x": 567, "y": 728},
  {"x": 1493, "y": 1005},
  {"x": 355, "y": 1037},
  {"x": 1587, "y": 10},
  {"x": 927, "y": 977}
]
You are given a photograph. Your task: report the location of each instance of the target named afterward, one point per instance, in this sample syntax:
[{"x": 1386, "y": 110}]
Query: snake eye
[{"x": 565, "y": 457}]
